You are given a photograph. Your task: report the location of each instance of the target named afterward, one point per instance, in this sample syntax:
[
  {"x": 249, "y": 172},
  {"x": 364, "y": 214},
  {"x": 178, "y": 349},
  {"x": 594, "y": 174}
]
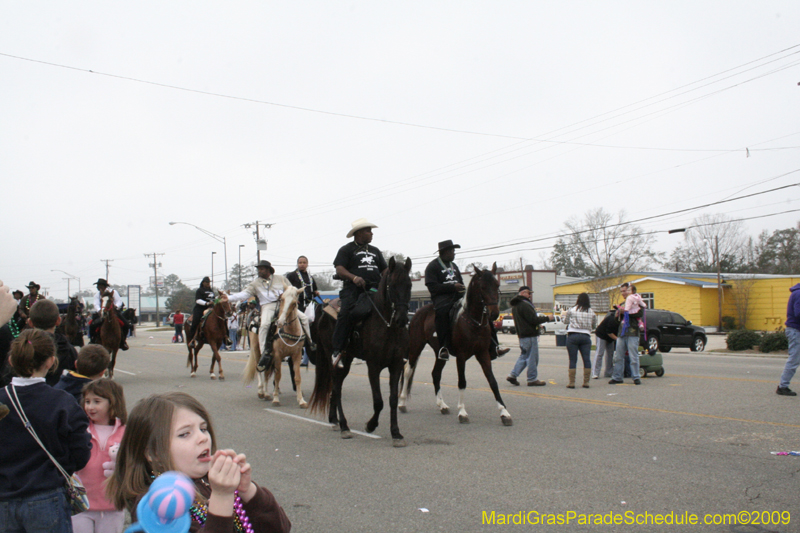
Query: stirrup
[
  {"x": 444, "y": 354},
  {"x": 336, "y": 357}
]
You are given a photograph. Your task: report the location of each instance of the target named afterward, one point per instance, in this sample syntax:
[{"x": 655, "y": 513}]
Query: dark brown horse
[
  {"x": 110, "y": 330},
  {"x": 471, "y": 336},
  {"x": 382, "y": 343},
  {"x": 213, "y": 332},
  {"x": 72, "y": 330}
]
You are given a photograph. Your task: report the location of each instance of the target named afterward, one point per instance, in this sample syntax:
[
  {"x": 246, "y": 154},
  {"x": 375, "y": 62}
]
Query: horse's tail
[
  {"x": 323, "y": 383},
  {"x": 250, "y": 370},
  {"x": 417, "y": 340}
]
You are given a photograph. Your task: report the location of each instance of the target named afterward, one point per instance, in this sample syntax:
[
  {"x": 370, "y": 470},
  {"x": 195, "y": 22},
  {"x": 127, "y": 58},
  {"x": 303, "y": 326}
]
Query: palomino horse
[
  {"x": 382, "y": 343},
  {"x": 471, "y": 336},
  {"x": 288, "y": 343},
  {"x": 213, "y": 332},
  {"x": 110, "y": 330}
]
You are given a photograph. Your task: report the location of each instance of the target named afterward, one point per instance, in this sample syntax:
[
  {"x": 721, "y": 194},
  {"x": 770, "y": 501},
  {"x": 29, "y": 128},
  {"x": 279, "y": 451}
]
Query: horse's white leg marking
[
  {"x": 262, "y": 385},
  {"x": 462, "y": 411},
  {"x": 401, "y": 403},
  {"x": 503, "y": 410},
  {"x": 443, "y": 407}
]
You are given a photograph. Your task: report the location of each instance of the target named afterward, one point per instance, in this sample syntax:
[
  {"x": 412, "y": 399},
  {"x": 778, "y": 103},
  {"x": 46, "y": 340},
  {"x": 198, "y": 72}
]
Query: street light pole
[
  {"x": 212, "y": 267},
  {"x": 240, "y": 266},
  {"x": 223, "y": 240},
  {"x": 70, "y": 277},
  {"x": 719, "y": 282}
]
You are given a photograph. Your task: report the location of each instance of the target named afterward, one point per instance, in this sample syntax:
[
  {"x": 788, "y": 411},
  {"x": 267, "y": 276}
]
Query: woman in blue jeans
[{"x": 580, "y": 321}]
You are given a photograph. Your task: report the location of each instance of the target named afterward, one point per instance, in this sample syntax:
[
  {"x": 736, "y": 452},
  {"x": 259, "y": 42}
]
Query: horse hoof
[
  {"x": 268, "y": 397},
  {"x": 303, "y": 405},
  {"x": 402, "y": 409},
  {"x": 193, "y": 375},
  {"x": 221, "y": 377},
  {"x": 369, "y": 429},
  {"x": 445, "y": 410},
  {"x": 506, "y": 420},
  {"x": 346, "y": 434},
  {"x": 399, "y": 443},
  {"x": 262, "y": 396},
  {"x": 213, "y": 376},
  {"x": 463, "y": 419},
  {"x": 276, "y": 403}
]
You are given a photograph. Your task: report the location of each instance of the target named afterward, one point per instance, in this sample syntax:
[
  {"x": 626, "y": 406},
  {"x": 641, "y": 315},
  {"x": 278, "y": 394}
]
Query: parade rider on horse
[
  {"x": 94, "y": 329},
  {"x": 267, "y": 289},
  {"x": 359, "y": 266},
  {"x": 28, "y": 300},
  {"x": 446, "y": 286}
]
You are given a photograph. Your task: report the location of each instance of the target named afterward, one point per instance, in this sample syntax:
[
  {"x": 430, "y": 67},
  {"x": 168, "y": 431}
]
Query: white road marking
[
  {"x": 124, "y": 372},
  {"x": 304, "y": 419}
]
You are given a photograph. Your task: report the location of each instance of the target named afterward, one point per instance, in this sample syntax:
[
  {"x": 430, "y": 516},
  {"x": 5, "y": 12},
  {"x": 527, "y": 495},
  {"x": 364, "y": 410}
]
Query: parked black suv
[{"x": 667, "y": 330}]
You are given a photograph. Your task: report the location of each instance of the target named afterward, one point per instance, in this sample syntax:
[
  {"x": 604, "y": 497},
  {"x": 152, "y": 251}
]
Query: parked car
[
  {"x": 551, "y": 327},
  {"x": 171, "y": 319},
  {"x": 667, "y": 330},
  {"x": 498, "y": 324},
  {"x": 508, "y": 325}
]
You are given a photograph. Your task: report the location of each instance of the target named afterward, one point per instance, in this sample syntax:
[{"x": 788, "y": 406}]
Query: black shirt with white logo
[
  {"x": 441, "y": 279},
  {"x": 364, "y": 261}
]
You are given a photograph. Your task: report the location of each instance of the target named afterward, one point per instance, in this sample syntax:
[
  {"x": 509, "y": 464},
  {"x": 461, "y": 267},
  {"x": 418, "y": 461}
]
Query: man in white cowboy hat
[
  {"x": 94, "y": 328},
  {"x": 446, "y": 286},
  {"x": 267, "y": 288},
  {"x": 359, "y": 266}
]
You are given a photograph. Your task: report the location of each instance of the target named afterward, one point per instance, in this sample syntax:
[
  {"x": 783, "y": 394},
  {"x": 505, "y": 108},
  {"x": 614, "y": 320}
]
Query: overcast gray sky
[{"x": 482, "y": 122}]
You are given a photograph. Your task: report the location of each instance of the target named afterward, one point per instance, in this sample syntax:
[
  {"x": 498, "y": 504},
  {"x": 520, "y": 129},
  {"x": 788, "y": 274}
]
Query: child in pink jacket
[
  {"x": 633, "y": 303},
  {"x": 104, "y": 403}
]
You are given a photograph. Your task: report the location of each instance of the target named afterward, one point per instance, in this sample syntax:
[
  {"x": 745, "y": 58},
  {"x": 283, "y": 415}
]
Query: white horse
[{"x": 289, "y": 341}]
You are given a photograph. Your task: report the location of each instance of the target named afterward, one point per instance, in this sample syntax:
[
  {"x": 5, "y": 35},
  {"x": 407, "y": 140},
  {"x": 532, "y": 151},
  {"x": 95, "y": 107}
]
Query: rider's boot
[
  {"x": 265, "y": 361},
  {"x": 123, "y": 344}
]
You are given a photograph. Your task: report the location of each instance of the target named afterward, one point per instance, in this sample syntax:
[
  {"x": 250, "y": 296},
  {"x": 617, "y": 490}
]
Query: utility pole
[
  {"x": 155, "y": 264},
  {"x": 258, "y": 224},
  {"x": 719, "y": 283},
  {"x": 106, "y": 261}
]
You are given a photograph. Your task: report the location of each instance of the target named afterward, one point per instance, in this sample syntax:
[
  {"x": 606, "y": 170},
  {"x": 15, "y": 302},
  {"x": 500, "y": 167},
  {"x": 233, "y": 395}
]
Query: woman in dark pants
[{"x": 580, "y": 321}]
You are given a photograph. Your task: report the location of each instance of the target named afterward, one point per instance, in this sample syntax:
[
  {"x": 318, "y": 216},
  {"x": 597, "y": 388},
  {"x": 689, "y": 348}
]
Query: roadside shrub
[
  {"x": 728, "y": 323},
  {"x": 742, "y": 339},
  {"x": 774, "y": 342}
]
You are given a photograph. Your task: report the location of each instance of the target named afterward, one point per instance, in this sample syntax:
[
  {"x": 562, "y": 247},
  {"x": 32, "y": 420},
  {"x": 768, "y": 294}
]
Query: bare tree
[
  {"x": 740, "y": 292},
  {"x": 325, "y": 281},
  {"x": 601, "y": 244},
  {"x": 699, "y": 250}
]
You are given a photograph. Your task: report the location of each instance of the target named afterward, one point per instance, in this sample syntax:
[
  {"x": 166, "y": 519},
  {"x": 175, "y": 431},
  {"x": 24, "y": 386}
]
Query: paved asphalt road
[{"x": 697, "y": 441}]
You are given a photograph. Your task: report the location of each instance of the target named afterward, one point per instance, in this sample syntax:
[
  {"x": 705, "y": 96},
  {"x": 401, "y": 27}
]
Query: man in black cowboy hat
[
  {"x": 267, "y": 289},
  {"x": 29, "y": 299},
  {"x": 203, "y": 299},
  {"x": 359, "y": 266},
  {"x": 94, "y": 328},
  {"x": 446, "y": 286}
]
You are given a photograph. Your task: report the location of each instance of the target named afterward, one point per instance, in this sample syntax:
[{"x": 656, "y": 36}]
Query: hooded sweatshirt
[
  {"x": 92, "y": 474},
  {"x": 793, "y": 308}
]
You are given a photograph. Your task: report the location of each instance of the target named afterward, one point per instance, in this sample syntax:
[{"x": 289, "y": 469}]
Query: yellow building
[{"x": 758, "y": 300}]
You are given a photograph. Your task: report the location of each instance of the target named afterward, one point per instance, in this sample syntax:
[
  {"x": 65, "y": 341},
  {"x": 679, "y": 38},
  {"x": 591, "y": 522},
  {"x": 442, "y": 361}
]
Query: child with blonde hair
[
  {"x": 104, "y": 403},
  {"x": 173, "y": 432}
]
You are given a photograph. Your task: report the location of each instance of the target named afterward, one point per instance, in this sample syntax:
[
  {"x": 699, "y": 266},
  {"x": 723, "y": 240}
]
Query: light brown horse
[
  {"x": 288, "y": 343},
  {"x": 213, "y": 332},
  {"x": 110, "y": 330}
]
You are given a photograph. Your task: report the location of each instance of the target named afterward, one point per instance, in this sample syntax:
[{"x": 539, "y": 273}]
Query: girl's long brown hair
[{"x": 145, "y": 447}]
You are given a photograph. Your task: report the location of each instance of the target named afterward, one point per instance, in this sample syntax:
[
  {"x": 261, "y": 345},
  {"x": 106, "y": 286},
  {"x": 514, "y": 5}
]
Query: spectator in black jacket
[
  {"x": 527, "y": 322},
  {"x": 32, "y": 490}
]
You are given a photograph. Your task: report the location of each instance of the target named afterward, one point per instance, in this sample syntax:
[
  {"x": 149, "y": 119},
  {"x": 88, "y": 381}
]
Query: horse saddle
[
  {"x": 455, "y": 310},
  {"x": 332, "y": 307}
]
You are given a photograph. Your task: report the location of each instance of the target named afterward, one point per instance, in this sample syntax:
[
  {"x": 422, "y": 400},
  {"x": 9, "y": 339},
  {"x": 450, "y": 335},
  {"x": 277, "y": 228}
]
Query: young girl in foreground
[
  {"x": 172, "y": 431},
  {"x": 104, "y": 403}
]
